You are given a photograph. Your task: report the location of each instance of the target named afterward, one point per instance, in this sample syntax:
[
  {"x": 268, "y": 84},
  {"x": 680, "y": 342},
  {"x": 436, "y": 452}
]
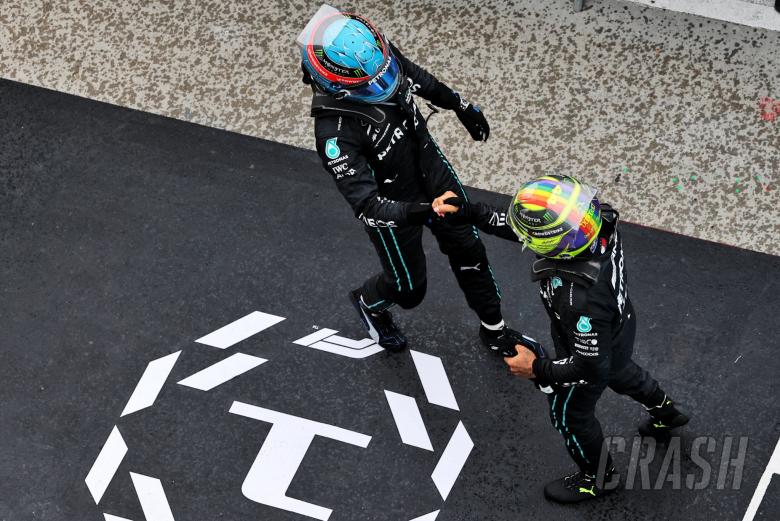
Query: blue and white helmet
[{"x": 345, "y": 54}]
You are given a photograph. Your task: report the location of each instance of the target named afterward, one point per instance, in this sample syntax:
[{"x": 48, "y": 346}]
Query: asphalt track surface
[{"x": 127, "y": 236}]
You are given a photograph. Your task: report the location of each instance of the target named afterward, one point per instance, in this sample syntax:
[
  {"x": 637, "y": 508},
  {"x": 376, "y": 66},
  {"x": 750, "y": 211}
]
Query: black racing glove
[
  {"x": 541, "y": 353},
  {"x": 462, "y": 216},
  {"x": 473, "y": 119},
  {"x": 420, "y": 213},
  {"x": 506, "y": 342}
]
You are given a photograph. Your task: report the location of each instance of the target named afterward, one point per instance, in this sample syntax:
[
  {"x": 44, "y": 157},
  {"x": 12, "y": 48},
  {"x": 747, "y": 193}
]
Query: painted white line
[
  {"x": 452, "y": 460},
  {"x": 349, "y": 343},
  {"x": 434, "y": 380},
  {"x": 222, "y": 371},
  {"x": 744, "y": 13},
  {"x": 773, "y": 467},
  {"x": 151, "y": 383},
  {"x": 345, "y": 351},
  {"x": 327, "y": 340},
  {"x": 427, "y": 517},
  {"x": 408, "y": 420},
  {"x": 109, "y": 517},
  {"x": 282, "y": 453},
  {"x": 152, "y": 497},
  {"x": 239, "y": 330},
  {"x": 322, "y": 334},
  {"x": 323, "y": 429},
  {"x": 106, "y": 465}
]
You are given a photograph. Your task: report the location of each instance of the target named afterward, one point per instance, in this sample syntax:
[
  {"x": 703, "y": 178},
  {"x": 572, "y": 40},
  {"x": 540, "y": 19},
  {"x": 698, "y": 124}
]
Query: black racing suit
[
  {"x": 388, "y": 167},
  {"x": 592, "y": 323}
]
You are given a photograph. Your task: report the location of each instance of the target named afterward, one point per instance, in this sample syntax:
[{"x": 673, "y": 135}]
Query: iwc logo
[{"x": 288, "y": 445}]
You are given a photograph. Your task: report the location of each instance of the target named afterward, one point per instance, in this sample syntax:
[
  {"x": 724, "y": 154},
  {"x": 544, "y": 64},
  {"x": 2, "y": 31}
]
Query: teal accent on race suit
[
  {"x": 495, "y": 282},
  {"x": 573, "y": 437},
  {"x": 583, "y": 326},
  {"x": 392, "y": 265},
  {"x": 372, "y": 306},
  {"x": 408, "y": 277},
  {"x": 565, "y": 404},
  {"x": 332, "y": 150},
  {"x": 465, "y": 198}
]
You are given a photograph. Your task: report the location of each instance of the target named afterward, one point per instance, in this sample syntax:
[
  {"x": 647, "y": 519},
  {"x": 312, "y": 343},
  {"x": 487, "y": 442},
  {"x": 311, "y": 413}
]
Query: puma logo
[
  {"x": 466, "y": 268},
  {"x": 388, "y": 181},
  {"x": 590, "y": 491}
]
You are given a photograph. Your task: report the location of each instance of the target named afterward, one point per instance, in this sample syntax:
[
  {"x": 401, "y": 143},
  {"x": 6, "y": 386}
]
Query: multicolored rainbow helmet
[
  {"x": 346, "y": 56},
  {"x": 556, "y": 216}
]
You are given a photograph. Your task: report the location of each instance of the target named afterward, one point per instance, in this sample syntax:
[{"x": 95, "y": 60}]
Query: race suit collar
[
  {"x": 585, "y": 272},
  {"x": 324, "y": 104}
]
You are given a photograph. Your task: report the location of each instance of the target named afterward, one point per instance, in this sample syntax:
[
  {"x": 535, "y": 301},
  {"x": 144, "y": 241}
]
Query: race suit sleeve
[
  {"x": 425, "y": 84},
  {"x": 588, "y": 335},
  {"x": 487, "y": 218},
  {"x": 492, "y": 220},
  {"x": 342, "y": 157}
]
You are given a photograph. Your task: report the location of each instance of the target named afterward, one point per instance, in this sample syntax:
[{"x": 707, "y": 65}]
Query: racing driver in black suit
[
  {"x": 375, "y": 144},
  {"x": 584, "y": 288}
]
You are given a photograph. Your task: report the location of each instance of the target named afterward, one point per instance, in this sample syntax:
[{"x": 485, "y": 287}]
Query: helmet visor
[{"x": 381, "y": 87}]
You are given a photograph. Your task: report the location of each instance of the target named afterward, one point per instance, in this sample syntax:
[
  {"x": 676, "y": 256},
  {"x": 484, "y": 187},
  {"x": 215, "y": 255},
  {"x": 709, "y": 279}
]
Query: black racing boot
[
  {"x": 380, "y": 325},
  {"x": 579, "y": 487},
  {"x": 663, "y": 418},
  {"x": 502, "y": 341}
]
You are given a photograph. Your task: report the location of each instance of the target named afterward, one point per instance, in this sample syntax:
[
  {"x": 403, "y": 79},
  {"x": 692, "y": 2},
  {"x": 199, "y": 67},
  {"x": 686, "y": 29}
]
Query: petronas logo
[
  {"x": 583, "y": 326},
  {"x": 332, "y": 150}
]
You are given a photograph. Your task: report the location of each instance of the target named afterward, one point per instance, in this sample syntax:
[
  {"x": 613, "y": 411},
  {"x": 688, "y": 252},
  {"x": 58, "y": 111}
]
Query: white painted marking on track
[
  {"x": 773, "y": 467},
  {"x": 239, "y": 330},
  {"x": 106, "y": 465},
  {"x": 734, "y": 11},
  {"x": 109, "y": 517},
  {"x": 151, "y": 383},
  {"x": 408, "y": 420},
  {"x": 152, "y": 497},
  {"x": 427, "y": 517},
  {"x": 322, "y": 334},
  {"x": 327, "y": 340},
  {"x": 434, "y": 380},
  {"x": 452, "y": 461},
  {"x": 281, "y": 455},
  {"x": 222, "y": 371},
  {"x": 349, "y": 343},
  {"x": 345, "y": 351},
  {"x": 270, "y": 416}
]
